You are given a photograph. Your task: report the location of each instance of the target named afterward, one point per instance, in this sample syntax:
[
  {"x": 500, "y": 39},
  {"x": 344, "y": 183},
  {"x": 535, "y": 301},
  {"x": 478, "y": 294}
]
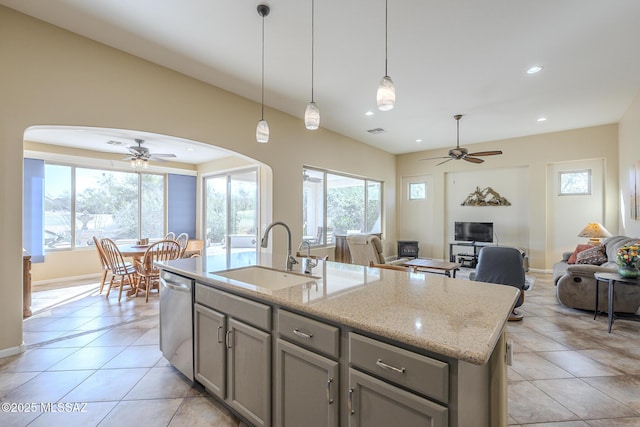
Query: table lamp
[{"x": 594, "y": 231}]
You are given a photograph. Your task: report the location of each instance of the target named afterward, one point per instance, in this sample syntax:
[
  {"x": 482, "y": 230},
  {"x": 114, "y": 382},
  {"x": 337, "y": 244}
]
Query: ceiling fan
[
  {"x": 142, "y": 154},
  {"x": 461, "y": 152}
]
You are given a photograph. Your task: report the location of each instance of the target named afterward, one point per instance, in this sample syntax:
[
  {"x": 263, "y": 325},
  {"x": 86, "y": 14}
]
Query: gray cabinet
[
  {"x": 210, "y": 350},
  {"x": 232, "y": 354},
  {"x": 375, "y": 403},
  {"x": 307, "y": 388},
  {"x": 249, "y": 372}
]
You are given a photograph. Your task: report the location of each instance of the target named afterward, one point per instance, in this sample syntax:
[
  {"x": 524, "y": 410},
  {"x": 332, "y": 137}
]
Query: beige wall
[
  {"x": 629, "y": 158},
  {"x": 534, "y": 153},
  {"x": 53, "y": 77}
]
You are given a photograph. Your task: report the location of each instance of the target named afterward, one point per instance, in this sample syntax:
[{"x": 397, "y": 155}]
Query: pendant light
[
  {"x": 386, "y": 96},
  {"x": 312, "y": 113},
  {"x": 262, "y": 130}
]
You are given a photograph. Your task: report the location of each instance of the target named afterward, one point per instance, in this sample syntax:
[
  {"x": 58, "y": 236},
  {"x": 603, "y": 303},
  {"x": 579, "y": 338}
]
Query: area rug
[{"x": 464, "y": 273}]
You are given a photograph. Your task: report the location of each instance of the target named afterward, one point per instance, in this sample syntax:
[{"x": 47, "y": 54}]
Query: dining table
[{"x": 132, "y": 250}]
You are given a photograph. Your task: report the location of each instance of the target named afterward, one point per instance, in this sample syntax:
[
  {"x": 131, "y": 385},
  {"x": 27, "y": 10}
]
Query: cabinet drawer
[
  {"x": 249, "y": 311},
  {"x": 309, "y": 333},
  {"x": 414, "y": 371}
]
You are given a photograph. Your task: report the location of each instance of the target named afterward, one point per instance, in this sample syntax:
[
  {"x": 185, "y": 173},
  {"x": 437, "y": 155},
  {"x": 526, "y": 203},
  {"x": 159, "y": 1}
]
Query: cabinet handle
[
  {"x": 383, "y": 365},
  {"x": 299, "y": 333},
  {"x": 350, "y": 402},
  {"x": 228, "y": 339},
  {"x": 219, "y": 337},
  {"x": 329, "y": 398}
]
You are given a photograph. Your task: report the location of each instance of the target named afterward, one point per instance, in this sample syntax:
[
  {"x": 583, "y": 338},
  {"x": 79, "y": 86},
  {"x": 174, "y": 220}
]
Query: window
[
  {"x": 575, "y": 182},
  {"x": 336, "y": 203},
  {"x": 81, "y": 202},
  {"x": 417, "y": 190}
]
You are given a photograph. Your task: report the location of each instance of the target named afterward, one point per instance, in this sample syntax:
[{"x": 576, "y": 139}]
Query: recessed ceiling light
[
  {"x": 418, "y": 140},
  {"x": 369, "y": 113},
  {"x": 191, "y": 149},
  {"x": 534, "y": 69},
  {"x": 542, "y": 119}
]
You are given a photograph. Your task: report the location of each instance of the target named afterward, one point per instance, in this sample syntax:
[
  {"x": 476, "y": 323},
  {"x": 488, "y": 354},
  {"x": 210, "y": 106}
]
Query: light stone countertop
[{"x": 453, "y": 317}]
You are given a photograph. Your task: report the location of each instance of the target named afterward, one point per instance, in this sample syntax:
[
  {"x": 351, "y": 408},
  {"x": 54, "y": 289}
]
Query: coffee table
[
  {"x": 612, "y": 279},
  {"x": 442, "y": 267}
]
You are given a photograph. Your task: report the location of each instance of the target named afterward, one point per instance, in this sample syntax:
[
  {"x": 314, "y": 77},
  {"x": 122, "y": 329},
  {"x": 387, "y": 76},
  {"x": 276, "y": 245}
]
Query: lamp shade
[
  {"x": 594, "y": 231},
  {"x": 262, "y": 131},
  {"x": 312, "y": 116}
]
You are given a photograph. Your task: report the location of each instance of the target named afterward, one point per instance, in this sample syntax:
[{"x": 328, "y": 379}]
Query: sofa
[{"x": 576, "y": 285}]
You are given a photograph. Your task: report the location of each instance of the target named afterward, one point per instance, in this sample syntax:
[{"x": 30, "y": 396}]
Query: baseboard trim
[
  {"x": 97, "y": 276},
  {"x": 12, "y": 351}
]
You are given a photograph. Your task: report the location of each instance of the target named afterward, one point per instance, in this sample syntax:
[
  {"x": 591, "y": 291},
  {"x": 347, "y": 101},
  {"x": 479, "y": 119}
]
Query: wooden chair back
[
  {"x": 183, "y": 240},
  {"x": 121, "y": 271},
  {"x": 105, "y": 265},
  {"x": 164, "y": 250},
  {"x": 113, "y": 256}
]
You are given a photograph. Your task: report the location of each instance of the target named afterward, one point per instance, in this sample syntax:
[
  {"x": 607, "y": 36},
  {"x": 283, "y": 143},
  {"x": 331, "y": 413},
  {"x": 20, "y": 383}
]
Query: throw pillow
[
  {"x": 594, "y": 255},
  {"x": 574, "y": 256}
]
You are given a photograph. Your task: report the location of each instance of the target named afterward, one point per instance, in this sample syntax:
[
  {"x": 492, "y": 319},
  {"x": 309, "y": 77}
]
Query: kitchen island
[{"x": 436, "y": 345}]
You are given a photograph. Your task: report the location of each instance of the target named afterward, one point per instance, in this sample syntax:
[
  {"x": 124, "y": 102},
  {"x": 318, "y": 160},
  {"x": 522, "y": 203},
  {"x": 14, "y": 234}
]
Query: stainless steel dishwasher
[{"x": 176, "y": 321}]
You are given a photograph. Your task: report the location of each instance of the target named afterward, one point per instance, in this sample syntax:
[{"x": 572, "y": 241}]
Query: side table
[{"x": 611, "y": 279}]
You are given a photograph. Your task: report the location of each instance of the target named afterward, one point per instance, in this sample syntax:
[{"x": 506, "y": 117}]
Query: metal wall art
[{"x": 486, "y": 197}]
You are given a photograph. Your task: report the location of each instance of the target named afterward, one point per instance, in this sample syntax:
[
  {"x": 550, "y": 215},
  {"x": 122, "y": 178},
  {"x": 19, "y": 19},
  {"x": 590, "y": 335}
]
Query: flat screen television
[{"x": 473, "y": 232}]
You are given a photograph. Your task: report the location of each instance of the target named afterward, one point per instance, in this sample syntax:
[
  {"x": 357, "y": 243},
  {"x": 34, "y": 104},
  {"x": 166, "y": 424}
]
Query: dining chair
[
  {"x": 170, "y": 236},
  {"x": 148, "y": 274},
  {"x": 105, "y": 265},
  {"x": 183, "y": 240},
  {"x": 122, "y": 272},
  {"x": 103, "y": 260}
]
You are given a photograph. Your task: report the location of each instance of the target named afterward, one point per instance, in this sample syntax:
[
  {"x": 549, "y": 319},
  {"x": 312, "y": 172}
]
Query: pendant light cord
[
  {"x": 312, "y": 43},
  {"x": 262, "y": 91},
  {"x": 386, "y": 49}
]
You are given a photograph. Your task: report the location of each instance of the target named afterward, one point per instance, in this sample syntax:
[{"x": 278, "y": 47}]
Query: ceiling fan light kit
[
  {"x": 262, "y": 130},
  {"x": 140, "y": 156},
  {"x": 461, "y": 153}
]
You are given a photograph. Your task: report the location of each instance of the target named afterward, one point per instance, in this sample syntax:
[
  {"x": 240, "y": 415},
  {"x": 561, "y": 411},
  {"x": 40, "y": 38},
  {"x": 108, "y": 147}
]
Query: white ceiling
[
  {"x": 446, "y": 57},
  {"x": 117, "y": 141}
]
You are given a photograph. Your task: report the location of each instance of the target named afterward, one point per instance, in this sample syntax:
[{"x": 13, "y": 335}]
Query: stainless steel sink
[{"x": 266, "y": 277}]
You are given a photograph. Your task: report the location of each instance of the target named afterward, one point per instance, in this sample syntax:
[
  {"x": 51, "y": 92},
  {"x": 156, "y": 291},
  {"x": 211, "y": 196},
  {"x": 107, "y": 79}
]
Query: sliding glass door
[{"x": 231, "y": 218}]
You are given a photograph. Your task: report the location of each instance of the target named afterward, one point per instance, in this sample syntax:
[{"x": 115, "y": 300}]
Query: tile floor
[
  {"x": 567, "y": 371},
  {"x": 94, "y": 351}
]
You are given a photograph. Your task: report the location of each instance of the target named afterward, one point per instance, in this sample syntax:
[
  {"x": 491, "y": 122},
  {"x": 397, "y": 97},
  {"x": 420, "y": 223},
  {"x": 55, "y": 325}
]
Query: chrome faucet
[
  {"x": 308, "y": 262},
  {"x": 265, "y": 242}
]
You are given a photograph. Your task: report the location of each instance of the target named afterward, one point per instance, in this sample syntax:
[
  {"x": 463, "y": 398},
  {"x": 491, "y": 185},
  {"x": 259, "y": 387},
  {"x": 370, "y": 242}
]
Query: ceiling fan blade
[
  {"x": 448, "y": 160},
  {"x": 434, "y": 158},
  {"x": 162, "y": 155},
  {"x": 486, "y": 153},
  {"x": 473, "y": 159}
]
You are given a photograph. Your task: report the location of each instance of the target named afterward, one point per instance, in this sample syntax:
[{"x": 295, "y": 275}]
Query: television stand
[{"x": 466, "y": 259}]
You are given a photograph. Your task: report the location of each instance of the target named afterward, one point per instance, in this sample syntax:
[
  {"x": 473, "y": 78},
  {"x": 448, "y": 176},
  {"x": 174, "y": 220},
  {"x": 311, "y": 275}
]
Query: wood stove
[{"x": 408, "y": 248}]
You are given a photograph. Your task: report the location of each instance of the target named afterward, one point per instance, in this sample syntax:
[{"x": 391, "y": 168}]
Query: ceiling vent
[
  {"x": 112, "y": 142},
  {"x": 376, "y": 131}
]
